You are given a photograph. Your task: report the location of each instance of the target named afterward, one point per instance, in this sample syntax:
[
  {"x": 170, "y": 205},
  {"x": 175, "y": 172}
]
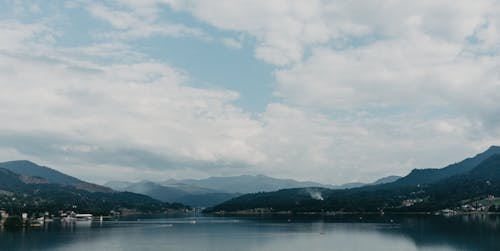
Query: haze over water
[{"x": 472, "y": 232}]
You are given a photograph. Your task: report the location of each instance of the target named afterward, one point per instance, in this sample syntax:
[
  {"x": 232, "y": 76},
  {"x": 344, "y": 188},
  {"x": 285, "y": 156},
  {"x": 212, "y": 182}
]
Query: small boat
[
  {"x": 83, "y": 217},
  {"x": 40, "y": 220}
]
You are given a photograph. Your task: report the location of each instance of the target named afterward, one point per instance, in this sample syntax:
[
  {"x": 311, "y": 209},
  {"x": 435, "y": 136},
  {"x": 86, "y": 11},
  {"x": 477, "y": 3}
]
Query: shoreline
[{"x": 239, "y": 213}]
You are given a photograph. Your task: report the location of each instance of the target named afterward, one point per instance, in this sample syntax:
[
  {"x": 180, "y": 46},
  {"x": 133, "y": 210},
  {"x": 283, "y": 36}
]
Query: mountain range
[
  {"x": 178, "y": 192},
  {"x": 43, "y": 188},
  {"x": 429, "y": 176},
  {"x": 420, "y": 191},
  {"x": 28, "y": 168},
  {"x": 28, "y": 187},
  {"x": 214, "y": 190},
  {"x": 47, "y": 187}
]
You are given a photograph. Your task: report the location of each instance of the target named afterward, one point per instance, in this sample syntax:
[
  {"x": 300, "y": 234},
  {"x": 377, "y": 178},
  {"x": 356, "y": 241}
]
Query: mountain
[
  {"x": 429, "y": 176},
  {"x": 25, "y": 193},
  {"x": 27, "y": 168},
  {"x": 481, "y": 181},
  {"x": 10, "y": 180},
  {"x": 384, "y": 180},
  {"x": 156, "y": 191},
  {"x": 186, "y": 194},
  {"x": 211, "y": 191},
  {"x": 346, "y": 185},
  {"x": 463, "y": 182},
  {"x": 118, "y": 185},
  {"x": 205, "y": 200},
  {"x": 487, "y": 170},
  {"x": 246, "y": 183},
  {"x": 214, "y": 190}
]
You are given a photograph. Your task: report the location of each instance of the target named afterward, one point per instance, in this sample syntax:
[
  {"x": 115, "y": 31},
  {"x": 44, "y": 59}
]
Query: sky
[{"x": 329, "y": 91}]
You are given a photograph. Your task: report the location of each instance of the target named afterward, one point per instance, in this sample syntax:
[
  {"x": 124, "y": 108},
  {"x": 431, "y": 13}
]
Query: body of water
[{"x": 283, "y": 233}]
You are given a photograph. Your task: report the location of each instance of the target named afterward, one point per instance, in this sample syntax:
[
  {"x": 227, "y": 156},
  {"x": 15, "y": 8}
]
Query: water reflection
[
  {"x": 462, "y": 232},
  {"x": 348, "y": 232}
]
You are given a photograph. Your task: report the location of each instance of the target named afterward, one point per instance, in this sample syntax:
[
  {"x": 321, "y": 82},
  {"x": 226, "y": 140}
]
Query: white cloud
[
  {"x": 144, "y": 109},
  {"x": 15, "y": 34},
  {"x": 139, "y": 21},
  {"x": 408, "y": 73},
  {"x": 359, "y": 55},
  {"x": 366, "y": 89},
  {"x": 281, "y": 27},
  {"x": 311, "y": 145},
  {"x": 232, "y": 43},
  {"x": 423, "y": 75},
  {"x": 144, "y": 105},
  {"x": 285, "y": 30}
]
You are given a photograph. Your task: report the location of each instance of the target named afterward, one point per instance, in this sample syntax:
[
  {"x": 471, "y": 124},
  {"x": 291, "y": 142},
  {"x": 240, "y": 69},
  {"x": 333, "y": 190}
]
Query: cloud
[
  {"x": 116, "y": 102},
  {"x": 358, "y": 56},
  {"x": 355, "y": 75},
  {"x": 286, "y": 30},
  {"x": 420, "y": 73},
  {"x": 339, "y": 148},
  {"x": 362, "y": 89},
  {"x": 281, "y": 28},
  {"x": 133, "y": 21},
  {"x": 16, "y": 33},
  {"x": 232, "y": 43},
  {"x": 141, "y": 115}
]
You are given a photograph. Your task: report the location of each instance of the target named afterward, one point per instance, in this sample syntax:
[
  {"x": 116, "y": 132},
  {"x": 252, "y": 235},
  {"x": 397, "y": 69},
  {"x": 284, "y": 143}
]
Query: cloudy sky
[{"x": 330, "y": 91}]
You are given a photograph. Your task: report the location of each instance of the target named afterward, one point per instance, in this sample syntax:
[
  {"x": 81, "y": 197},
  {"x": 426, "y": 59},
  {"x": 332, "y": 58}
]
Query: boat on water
[
  {"x": 39, "y": 221},
  {"x": 83, "y": 217},
  {"x": 77, "y": 217}
]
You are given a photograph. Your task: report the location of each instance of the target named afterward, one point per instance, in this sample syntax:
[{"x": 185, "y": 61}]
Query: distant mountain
[
  {"x": 156, "y": 191},
  {"x": 348, "y": 185},
  {"x": 118, "y": 185},
  {"x": 468, "y": 180},
  {"x": 214, "y": 190},
  {"x": 23, "y": 193},
  {"x": 186, "y": 194},
  {"x": 246, "y": 183},
  {"x": 210, "y": 191},
  {"x": 384, "y": 180},
  {"x": 27, "y": 168},
  {"x": 205, "y": 200}
]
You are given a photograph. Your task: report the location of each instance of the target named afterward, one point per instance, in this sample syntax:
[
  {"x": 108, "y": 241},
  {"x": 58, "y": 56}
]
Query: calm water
[{"x": 269, "y": 233}]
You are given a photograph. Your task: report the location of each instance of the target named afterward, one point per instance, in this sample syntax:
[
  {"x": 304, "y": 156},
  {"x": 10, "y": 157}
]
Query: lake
[{"x": 276, "y": 233}]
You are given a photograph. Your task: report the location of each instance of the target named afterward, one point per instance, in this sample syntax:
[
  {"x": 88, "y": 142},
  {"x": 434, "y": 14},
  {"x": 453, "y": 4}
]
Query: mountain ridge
[
  {"x": 214, "y": 190},
  {"x": 22, "y": 193},
  {"x": 465, "y": 183},
  {"x": 431, "y": 175},
  {"x": 31, "y": 169}
]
